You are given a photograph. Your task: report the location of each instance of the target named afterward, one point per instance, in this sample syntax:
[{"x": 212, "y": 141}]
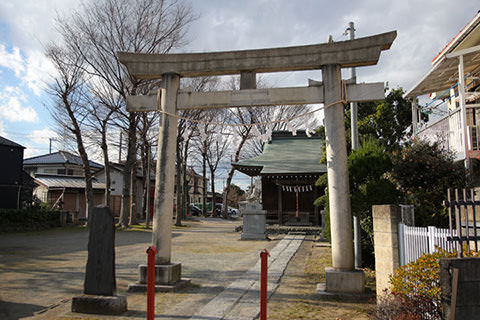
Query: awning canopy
[
  {"x": 286, "y": 155},
  {"x": 68, "y": 182},
  {"x": 444, "y": 73}
]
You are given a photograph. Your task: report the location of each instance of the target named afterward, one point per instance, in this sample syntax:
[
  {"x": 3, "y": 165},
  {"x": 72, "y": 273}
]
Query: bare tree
[
  {"x": 217, "y": 149},
  {"x": 246, "y": 116},
  {"x": 100, "y": 118},
  {"x": 271, "y": 117},
  {"x": 101, "y": 29},
  {"x": 71, "y": 103}
]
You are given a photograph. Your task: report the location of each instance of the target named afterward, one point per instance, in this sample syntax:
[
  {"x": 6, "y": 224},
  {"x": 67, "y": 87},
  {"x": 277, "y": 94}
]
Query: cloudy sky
[{"x": 424, "y": 28}]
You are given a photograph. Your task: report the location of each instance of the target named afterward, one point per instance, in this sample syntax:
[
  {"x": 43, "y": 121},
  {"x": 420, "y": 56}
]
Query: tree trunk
[
  {"x": 133, "y": 194},
  {"x": 83, "y": 155},
  {"x": 144, "y": 158},
  {"x": 232, "y": 171},
  {"x": 131, "y": 150},
  {"x": 178, "y": 221},
  {"x": 106, "y": 161},
  {"x": 204, "y": 176},
  {"x": 212, "y": 176},
  {"x": 149, "y": 160},
  {"x": 186, "y": 197}
]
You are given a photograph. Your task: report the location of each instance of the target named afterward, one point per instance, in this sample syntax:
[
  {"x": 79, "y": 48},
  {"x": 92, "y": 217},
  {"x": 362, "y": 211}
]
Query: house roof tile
[{"x": 59, "y": 157}]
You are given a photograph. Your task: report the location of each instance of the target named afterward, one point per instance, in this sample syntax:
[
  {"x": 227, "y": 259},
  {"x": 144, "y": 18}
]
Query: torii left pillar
[{"x": 167, "y": 274}]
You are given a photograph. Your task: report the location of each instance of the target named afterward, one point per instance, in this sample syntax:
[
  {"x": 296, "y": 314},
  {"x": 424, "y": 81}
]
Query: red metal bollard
[
  {"x": 151, "y": 251},
  {"x": 263, "y": 284}
]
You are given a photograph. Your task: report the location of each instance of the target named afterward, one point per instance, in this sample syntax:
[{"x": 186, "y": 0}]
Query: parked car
[
  {"x": 233, "y": 211},
  {"x": 196, "y": 211}
]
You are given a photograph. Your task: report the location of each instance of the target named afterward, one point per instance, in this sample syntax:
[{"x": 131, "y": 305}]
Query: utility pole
[
  {"x": 50, "y": 145},
  {"x": 354, "y": 133},
  {"x": 149, "y": 160},
  {"x": 353, "y": 105}
]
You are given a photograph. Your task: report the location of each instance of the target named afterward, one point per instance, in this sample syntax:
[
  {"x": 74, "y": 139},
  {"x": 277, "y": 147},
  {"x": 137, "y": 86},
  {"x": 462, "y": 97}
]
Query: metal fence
[
  {"x": 460, "y": 236},
  {"x": 462, "y": 215}
]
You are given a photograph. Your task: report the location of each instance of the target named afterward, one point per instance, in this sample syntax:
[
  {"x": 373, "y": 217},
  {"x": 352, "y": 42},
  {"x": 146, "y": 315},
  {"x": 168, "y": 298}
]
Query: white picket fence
[{"x": 415, "y": 241}]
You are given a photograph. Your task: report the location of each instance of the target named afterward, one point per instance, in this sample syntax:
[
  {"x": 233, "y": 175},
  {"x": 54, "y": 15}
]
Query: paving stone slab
[{"x": 240, "y": 300}]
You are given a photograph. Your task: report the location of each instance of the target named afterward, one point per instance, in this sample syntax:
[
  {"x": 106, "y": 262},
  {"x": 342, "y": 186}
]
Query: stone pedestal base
[
  {"x": 254, "y": 222},
  {"x": 175, "y": 287},
  {"x": 99, "y": 304},
  {"x": 167, "y": 279},
  {"x": 344, "y": 281}
]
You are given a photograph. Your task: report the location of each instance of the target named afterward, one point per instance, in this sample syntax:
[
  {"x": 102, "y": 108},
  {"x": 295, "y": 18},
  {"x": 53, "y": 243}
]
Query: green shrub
[
  {"x": 416, "y": 292},
  {"x": 423, "y": 171},
  {"x": 420, "y": 278},
  {"x": 31, "y": 219}
]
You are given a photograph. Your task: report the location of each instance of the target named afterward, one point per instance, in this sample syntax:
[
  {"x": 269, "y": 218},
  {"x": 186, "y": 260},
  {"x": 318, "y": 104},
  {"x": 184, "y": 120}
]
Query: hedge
[{"x": 31, "y": 219}]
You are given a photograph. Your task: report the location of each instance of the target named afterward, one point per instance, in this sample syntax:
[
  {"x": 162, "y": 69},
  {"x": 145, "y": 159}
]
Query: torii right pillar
[{"x": 342, "y": 276}]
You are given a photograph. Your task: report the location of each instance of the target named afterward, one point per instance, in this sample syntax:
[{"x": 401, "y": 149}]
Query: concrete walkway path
[{"x": 241, "y": 299}]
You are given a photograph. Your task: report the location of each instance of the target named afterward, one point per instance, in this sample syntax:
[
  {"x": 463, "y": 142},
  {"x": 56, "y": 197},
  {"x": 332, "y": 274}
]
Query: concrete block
[
  {"x": 386, "y": 254},
  {"x": 386, "y": 239},
  {"x": 386, "y": 218},
  {"x": 94, "y": 304},
  {"x": 254, "y": 222},
  {"x": 344, "y": 281},
  {"x": 175, "y": 287},
  {"x": 323, "y": 294},
  {"x": 164, "y": 274}
]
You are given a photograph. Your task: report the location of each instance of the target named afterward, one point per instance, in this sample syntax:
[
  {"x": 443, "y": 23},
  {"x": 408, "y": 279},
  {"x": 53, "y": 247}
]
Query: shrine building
[{"x": 289, "y": 166}]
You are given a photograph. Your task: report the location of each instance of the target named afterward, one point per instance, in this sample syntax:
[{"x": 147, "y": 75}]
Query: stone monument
[
  {"x": 254, "y": 219},
  {"x": 100, "y": 286}
]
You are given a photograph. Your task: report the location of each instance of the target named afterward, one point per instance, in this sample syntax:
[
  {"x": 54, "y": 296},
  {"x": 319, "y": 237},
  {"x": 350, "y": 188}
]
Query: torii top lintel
[{"x": 352, "y": 53}]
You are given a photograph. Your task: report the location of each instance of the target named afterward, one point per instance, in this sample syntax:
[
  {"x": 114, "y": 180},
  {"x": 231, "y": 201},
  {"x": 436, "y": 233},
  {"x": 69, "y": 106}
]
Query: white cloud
[
  {"x": 38, "y": 71},
  {"x": 11, "y": 60},
  {"x": 2, "y": 130},
  {"x": 31, "y": 151},
  {"x": 31, "y": 22},
  {"x": 13, "y": 108},
  {"x": 42, "y": 136}
]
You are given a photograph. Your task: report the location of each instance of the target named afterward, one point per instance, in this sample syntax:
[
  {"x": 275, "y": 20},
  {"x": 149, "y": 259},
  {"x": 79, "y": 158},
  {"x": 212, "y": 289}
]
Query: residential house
[
  {"x": 116, "y": 187},
  {"x": 289, "y": 166},
  {"x": 195, "y": 186},
  {"x": 60, "y": 181},
  {"x": 11, "y": 180},
  {"x": 453, "y": 86},
  {"x": 60, "y": 162},
  {"x": 194, "y": 180},
  {"x": 67, "y": 192}
]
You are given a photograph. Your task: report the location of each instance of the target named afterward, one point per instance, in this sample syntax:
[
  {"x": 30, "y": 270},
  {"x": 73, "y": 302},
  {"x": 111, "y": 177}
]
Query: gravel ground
[{"x": 41, "y": 271}]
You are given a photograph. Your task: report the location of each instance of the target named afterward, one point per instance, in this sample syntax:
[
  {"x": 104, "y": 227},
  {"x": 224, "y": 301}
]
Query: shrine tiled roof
[{"x": 288, "y": 155}]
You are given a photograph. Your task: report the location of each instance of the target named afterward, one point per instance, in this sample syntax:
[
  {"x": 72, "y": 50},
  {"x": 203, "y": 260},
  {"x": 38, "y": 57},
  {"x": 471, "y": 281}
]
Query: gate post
[
  {"x": 386, "y": 245},
  {"x": 151, "y": 251},
  {"x": 263, "y": 283}
]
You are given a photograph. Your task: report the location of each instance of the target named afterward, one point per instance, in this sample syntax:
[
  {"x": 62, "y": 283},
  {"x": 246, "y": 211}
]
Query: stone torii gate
[{"x": 329, "y": 57}]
